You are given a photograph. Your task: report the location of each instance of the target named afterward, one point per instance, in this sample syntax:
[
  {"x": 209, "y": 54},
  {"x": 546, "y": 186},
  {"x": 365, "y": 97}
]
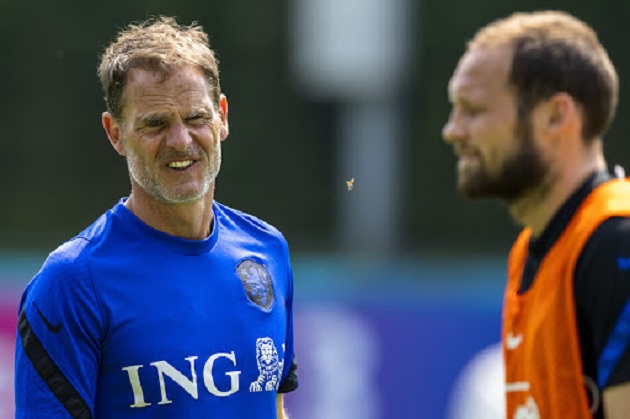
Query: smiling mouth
[{"x": 180, "y": 165}]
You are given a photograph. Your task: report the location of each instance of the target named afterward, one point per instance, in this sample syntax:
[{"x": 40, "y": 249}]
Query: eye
[
  {"x": 154, "y": 122},
  {"x": 472, "y": 109},
  {"x": 197, "y": 118}
]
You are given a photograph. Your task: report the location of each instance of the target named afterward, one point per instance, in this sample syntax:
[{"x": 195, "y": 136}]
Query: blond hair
[{"x": 158, "y": 44}]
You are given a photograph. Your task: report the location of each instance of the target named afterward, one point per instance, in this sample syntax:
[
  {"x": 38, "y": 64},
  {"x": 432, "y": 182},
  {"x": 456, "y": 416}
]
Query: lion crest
[
  {"x": 257, "y": 283},
  {"x": 269, "y": 366}
]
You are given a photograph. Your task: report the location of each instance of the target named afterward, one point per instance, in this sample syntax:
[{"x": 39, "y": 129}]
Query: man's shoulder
[
  {"x": 614, "y": 230},
  {"x": 64, "y": 270},
  {"x": 73, "y": 253},
  {"x": 245, "y": 222},
  {"x": 608, "y": 247}
]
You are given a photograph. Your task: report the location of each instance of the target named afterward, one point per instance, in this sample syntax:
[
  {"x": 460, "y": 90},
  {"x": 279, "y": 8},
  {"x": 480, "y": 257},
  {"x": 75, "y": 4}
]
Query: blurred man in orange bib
[{"x": 532, "y": 97}]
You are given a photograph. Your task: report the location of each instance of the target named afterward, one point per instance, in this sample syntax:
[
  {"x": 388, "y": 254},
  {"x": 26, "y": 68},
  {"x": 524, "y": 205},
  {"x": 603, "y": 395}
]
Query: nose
[
  {"x": 178, "y": 136},
  {"x": 453, "y": 130}
]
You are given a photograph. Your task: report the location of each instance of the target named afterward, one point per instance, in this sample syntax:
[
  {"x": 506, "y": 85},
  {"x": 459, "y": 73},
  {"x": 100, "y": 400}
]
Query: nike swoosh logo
[
  {"x": 512, "y": 342},
  {"x": 49, "y": 325}
]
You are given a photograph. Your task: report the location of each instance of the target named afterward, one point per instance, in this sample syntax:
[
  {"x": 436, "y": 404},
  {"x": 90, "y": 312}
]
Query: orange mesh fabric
[{"x": 544, "y": 377}]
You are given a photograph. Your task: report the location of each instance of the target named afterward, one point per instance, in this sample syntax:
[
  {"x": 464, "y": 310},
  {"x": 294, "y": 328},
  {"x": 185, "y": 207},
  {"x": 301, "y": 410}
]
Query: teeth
[{"x": 180, "y": 164}]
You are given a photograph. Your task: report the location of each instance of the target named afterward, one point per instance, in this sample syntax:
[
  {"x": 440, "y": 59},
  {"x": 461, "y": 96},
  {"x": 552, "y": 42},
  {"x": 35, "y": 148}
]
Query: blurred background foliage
[{"x": 60, "y": 172}]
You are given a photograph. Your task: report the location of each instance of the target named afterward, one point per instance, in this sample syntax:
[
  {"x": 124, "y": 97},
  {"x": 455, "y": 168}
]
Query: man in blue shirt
[{"x": 170, "y": 305}]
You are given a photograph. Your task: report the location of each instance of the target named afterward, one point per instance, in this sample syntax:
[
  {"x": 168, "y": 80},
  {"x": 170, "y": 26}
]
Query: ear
[
  {"x": 114, "y": 133},
  {"x": 223, "y": 114},
  {"x": 562, "y": 113}
]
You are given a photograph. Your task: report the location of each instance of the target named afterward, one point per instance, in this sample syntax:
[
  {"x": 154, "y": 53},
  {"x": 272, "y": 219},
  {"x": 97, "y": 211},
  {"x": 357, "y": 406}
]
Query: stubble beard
[{"x": 148, "y": 178}]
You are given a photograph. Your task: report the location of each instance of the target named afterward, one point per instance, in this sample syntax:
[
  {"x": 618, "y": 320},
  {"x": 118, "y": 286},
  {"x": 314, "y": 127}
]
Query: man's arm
[
  {"x": 616, "y": 402},
  {"x": 290, "y": 379},
  {"x": 58, "y": 343},
  {"x": 603, "y": 305},
  {"x": 280, "y": 407}
]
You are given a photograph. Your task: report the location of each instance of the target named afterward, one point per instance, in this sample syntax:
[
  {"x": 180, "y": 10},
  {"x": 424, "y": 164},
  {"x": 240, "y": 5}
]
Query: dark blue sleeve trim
[
  {"x": 290, "y": 383},
  {"x": 615, "y": 346},
  {"x": 54, "y": 378}
]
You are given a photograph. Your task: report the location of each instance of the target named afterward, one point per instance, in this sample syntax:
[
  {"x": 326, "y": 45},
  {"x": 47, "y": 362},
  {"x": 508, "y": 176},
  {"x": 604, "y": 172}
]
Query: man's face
[
  {"x": 498, "y": 154},
  {"x": 170, "y": 134}
]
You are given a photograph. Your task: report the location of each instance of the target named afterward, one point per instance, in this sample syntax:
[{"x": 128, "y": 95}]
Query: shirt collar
[{"x": 540, "y": 245}]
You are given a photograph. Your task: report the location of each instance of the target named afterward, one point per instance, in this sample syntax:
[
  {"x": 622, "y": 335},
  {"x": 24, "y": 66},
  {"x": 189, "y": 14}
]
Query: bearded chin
[
  {"x": 152, "y": 185},
  {"x": 524, "y": 171}
]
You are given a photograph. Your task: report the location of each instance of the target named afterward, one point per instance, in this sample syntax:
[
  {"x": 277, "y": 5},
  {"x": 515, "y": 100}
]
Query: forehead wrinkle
[
  {"x": 161, "y": 104},
  {"x": 180, "y": 84},
  {"x": 162, "y": 96}
]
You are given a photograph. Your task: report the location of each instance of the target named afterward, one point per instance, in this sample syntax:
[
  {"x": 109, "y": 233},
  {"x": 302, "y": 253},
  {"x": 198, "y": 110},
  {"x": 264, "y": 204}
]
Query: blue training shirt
[{"x": 124, "y": 321}]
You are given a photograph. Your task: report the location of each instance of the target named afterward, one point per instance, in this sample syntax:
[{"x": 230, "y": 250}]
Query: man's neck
[
  {"x": 191, "y": 221},
  {"x": 536, "y": 208}
]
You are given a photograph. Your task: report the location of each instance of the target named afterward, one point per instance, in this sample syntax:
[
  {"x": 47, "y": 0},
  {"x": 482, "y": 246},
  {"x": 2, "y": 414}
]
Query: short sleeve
[
  {"x": 602, "y": 288},
  {"x": 289, "y": 375},
  {"x": 59, "y": 339}
]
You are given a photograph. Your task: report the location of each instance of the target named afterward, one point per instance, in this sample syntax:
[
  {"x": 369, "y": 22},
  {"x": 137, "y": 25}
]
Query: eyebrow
[
  {"x": 145, "y": 119},
  {"x": 195, "y": 112},
  {"x": 202, "y": 111}
]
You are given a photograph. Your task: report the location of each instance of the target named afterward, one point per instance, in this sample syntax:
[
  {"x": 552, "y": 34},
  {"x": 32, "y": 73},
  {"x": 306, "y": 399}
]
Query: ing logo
[{"x": 269, "y": 366}]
